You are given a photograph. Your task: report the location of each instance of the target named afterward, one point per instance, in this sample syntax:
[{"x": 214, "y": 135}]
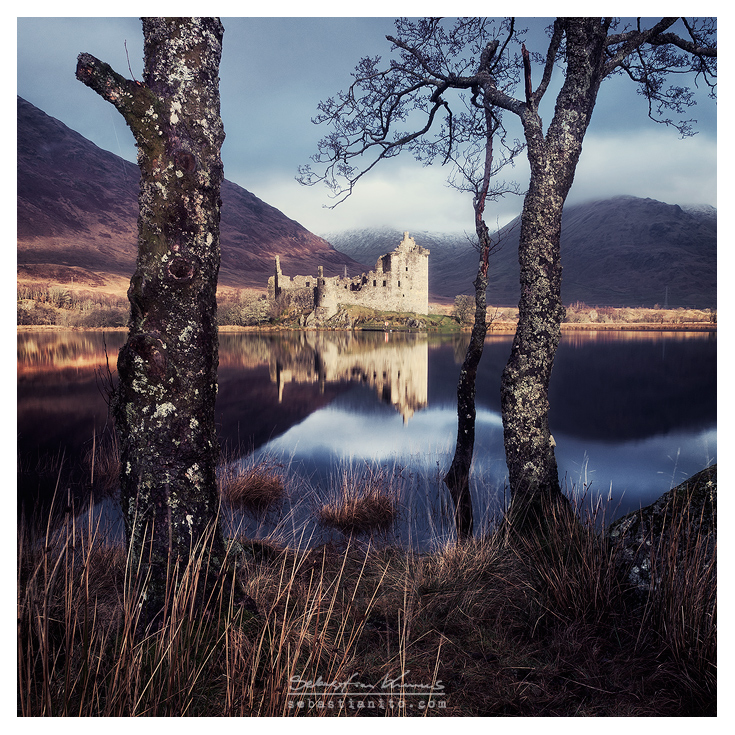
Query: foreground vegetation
[{"x": 544, "y": 626}]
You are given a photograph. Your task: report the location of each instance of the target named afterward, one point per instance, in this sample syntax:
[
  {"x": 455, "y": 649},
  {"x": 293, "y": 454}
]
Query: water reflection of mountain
[
  {"x": 611, "y": 388},
  {"x": 606, "y": 386}
]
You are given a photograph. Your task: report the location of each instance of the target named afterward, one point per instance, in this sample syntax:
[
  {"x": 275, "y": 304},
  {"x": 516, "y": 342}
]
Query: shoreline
[{"x": 496, "y": 329}]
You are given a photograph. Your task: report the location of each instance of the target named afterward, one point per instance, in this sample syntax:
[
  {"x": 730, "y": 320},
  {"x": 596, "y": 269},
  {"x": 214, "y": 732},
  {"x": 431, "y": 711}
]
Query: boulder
[{"x": 668, "y": 529}]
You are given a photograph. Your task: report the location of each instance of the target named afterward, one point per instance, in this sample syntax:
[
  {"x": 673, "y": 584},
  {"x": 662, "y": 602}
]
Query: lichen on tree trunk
[
  {"x": 529, "y": 446},
  {"x": 164, "y": 406}
]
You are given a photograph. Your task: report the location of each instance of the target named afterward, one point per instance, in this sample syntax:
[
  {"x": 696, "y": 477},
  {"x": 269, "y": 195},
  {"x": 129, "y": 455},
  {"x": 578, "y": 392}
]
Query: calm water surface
[{"x": 633, "y": 413}]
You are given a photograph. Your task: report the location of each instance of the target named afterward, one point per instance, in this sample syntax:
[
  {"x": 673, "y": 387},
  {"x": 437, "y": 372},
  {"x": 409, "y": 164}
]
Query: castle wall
[
  {"x": 299, "y": 290},
  {"x": 400, "y": 282}
]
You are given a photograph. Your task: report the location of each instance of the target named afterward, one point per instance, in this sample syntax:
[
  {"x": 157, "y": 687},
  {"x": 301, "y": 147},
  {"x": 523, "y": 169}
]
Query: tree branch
[
  {"x": 632, "y": 41},
  {"x": 527, "y": 74},
  {"x": 672, "y": 39},
  {"x": 551, "y": 53},
  {"x": 135, "y": 102}
]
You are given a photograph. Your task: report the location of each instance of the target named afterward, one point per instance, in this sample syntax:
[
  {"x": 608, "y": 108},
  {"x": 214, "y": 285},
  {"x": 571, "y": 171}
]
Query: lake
[{"x": 632, "y": 413}]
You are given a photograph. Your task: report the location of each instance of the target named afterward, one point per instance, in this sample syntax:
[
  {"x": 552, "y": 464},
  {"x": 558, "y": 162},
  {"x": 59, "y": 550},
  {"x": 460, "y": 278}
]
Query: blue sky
[{"x": 275, "y": 71}]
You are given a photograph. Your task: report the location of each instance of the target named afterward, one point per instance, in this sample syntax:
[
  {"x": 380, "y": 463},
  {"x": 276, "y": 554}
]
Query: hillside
[
  {"x": 77, "y": 217},
  {"x": 623, "y": 251},
  {"x": 77, "y": 222}
]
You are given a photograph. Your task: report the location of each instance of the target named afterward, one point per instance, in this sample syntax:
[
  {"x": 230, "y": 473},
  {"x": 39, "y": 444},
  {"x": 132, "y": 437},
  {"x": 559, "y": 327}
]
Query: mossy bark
[
  {"x": 529, "y": 445},
  {"x": 164, "y": 406}
]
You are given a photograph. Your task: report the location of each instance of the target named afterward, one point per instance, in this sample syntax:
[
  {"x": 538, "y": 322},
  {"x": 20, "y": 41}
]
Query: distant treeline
[{"x": 579, "y": 312}]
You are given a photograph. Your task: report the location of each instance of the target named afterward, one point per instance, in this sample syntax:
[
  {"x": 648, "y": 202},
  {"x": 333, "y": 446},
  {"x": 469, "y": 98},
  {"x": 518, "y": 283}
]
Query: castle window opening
[{"x": 384, "y": 283}]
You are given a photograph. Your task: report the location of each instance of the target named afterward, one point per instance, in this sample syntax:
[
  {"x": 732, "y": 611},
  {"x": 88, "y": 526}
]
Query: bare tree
[
  {"x": 588, "y": 52},
  {"x": 465, "y": 138},
  {"x": 435, "y": 61},
  {"x": 164, "y": 403},
  {"x": 464, "y": 308}
]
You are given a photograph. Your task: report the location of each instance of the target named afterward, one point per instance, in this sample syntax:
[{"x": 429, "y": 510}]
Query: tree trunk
[
  {"x": 529, "y": 445},
  {"x": 164, "y": 407},
  {"x": 457, "y": 478}
]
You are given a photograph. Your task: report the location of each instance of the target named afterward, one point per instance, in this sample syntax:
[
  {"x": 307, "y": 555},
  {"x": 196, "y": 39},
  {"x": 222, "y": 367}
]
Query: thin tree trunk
[
  {"x": 457, "y": 478},
  {"x": 164, "y": 407}
]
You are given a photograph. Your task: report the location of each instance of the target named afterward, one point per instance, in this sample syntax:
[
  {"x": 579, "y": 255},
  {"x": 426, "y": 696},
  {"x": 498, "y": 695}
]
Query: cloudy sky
[{"x": 275, "y": 71}]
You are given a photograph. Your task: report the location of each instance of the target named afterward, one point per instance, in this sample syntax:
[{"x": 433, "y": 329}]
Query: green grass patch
[{"x": 366, "y": 318}]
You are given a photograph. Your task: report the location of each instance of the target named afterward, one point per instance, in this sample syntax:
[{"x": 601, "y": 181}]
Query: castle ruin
[{"x": 400, "y": 282}]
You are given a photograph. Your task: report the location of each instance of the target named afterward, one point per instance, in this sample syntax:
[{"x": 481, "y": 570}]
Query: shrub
[
  {"x": 30, "y": 313},
  {"x": 103, "y": 317},
  {"x": 464, "y": 309}
]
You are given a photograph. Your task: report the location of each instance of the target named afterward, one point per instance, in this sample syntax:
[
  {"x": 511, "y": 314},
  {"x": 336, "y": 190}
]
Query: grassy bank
[
  {"x": 42, "y": 304},
  {"x": 497, "y": 627}
]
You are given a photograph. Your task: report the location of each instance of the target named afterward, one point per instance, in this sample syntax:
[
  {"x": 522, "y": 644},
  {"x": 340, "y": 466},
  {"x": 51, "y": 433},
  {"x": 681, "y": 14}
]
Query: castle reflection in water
[
  {"x": 632, "y": 414},
  {"x": 398, "y": 372}
]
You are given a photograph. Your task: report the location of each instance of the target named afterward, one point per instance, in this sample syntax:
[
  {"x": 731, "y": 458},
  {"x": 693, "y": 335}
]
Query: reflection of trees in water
[
  {"x": 460, "y": 347},
  {"x": 54, "y": 350}
]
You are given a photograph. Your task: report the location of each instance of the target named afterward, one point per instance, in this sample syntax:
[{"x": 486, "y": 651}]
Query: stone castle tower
[{"x": 400, "y": 282}]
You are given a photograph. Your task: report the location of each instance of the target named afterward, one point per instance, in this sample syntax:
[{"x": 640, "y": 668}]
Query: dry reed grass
[
  {"x": 102, "y": 461},
  {"x": 682, "y": 603},
  {"x": 361, "y": 502},
  {"x": 253, "y": 488},
  {"x": 503, "y": 626}
]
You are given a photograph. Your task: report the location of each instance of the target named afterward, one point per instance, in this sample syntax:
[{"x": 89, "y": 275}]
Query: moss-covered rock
[{"x": 667, "y": 531}]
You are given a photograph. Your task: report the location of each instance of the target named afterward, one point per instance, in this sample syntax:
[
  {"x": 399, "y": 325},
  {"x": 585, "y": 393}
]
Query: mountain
[
  {"x": 77, "y": 216},
  {"x": 77, "y": 219},
  {"x": 623, "y": 251}
]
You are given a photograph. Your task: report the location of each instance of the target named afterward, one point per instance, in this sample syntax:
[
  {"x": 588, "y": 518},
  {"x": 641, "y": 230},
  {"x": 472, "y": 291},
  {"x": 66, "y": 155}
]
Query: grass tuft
[
  {"x": 255, "y": 488},
  {"x": 361, "y": 503},
  {"x": 499, "y": 626}
]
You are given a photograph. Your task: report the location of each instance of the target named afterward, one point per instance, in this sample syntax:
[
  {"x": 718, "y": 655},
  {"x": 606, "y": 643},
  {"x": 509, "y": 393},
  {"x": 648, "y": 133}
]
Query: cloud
[
  {"x": 401, "y": 194},
  {"x": 652, "y": 163},
  {"x": 428, "y": 436}
]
